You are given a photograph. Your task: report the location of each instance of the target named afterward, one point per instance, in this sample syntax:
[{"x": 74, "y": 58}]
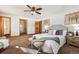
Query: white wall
[
  {"x": 71, "y": 9},
  {"x": 14, "y": 26},
  {"x": 30, "y": 27},
  {"x": 57, "y": 19}
]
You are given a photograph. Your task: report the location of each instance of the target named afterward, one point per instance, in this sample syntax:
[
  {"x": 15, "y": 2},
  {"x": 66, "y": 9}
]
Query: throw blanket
[
  {"x": 48, "y": 44},
  {"x": 46, "y": 41},
  {"x": 56, "y": 39}
]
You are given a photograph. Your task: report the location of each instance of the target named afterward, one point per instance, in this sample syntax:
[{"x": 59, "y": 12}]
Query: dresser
[{"x": 73, "y": 40}]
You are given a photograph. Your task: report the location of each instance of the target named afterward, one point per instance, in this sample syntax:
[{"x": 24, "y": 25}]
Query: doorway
[
  {"x": 38, "y": 27},
  {"x": 5, "y": 26},
  {"x": 23, "y": 26}
]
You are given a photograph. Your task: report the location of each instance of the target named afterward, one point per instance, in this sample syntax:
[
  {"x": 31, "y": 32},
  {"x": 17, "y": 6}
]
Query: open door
[
  {"x": 38, "y": 27},
  {"x": 23, "y": 26}
]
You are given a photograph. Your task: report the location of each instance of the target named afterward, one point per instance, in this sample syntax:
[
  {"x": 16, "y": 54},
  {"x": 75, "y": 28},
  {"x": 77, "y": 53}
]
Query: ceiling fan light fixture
[{"x": 33, "y": 12}]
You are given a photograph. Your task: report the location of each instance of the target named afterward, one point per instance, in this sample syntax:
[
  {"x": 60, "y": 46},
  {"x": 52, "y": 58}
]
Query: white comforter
[{"x": 51, "y": 46}]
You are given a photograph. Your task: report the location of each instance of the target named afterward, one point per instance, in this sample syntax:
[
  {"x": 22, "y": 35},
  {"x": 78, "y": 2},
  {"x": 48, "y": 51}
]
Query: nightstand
[{"x": 73, "y": 40}]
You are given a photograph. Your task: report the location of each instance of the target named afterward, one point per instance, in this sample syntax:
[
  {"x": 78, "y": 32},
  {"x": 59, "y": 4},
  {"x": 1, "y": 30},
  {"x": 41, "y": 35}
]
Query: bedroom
[{"x": 48, "y": 17}]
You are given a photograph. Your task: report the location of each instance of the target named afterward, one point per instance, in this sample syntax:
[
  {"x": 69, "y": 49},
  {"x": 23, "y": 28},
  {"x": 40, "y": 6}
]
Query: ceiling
[{"x": 19, "y": 9}]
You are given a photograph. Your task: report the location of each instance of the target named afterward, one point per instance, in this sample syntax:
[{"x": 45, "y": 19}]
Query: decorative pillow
[{"x": 59, "y": 32}]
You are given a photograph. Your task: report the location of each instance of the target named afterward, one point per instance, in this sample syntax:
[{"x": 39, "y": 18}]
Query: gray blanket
[{"x": 56, "y": 39}]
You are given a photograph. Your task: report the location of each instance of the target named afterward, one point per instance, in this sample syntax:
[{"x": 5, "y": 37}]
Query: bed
[{"x": 52, "y": 41}]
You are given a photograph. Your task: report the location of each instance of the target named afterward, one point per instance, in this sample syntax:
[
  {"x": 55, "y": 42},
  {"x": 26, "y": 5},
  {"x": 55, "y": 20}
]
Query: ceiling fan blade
[
  {"x": 38, "y": 12},
  {"x": 27, "y": 10},
  {"x": 28, "y": 6},
  {"x": 39, "y": 9}
]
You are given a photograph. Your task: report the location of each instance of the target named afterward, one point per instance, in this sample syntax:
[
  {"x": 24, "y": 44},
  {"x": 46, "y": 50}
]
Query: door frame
[{"x": 2, "y": 18}]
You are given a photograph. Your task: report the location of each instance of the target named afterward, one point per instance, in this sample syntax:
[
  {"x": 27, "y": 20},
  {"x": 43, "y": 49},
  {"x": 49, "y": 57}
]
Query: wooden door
[
  {"x": 23, "y": 26},
  {"x": 0, "y": 27},
  {"x": 38, "y": 27}
]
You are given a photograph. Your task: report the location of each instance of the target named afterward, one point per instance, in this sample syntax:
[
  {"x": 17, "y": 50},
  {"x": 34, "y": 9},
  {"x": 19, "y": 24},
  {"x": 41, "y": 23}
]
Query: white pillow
[
  {"x": 54, "y": 32},
  {"x": 51, "y": 32},
  {"x": 64, "y": 32}
]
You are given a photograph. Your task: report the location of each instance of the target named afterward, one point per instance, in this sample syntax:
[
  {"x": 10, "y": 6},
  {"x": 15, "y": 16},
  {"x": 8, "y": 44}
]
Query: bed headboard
[{"x": 57, "y": 27}]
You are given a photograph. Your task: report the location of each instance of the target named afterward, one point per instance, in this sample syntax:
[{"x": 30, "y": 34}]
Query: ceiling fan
[{"x": 33, "y": 10}]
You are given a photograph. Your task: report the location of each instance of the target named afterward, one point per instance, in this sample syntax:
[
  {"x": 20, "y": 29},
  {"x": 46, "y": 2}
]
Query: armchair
[{"x": 4, "y": 42}]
